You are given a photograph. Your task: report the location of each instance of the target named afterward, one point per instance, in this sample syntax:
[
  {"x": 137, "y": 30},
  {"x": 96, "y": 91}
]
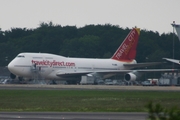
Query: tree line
[{"x": 90, "y": 41}]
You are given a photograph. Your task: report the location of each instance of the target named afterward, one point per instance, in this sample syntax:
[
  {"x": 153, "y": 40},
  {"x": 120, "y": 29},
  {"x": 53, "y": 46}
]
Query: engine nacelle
[{"x": 130, "y": 77}]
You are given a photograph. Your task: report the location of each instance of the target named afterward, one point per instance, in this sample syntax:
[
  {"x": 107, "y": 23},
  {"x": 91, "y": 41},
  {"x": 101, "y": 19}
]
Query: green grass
[{"x": 84, "y": 100}]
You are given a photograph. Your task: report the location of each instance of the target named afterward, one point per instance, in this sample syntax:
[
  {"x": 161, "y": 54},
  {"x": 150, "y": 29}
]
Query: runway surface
[
  {"x": 71, "y": 116},
  {"x": 87, "y": 87}
]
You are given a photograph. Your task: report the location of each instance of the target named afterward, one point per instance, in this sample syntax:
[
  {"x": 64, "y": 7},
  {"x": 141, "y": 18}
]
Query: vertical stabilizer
[
  {"x": 177, "y": 27},
  {"x": 127, "y": 50}
]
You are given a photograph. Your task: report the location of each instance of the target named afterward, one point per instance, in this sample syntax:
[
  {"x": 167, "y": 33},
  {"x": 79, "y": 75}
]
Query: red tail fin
[{"x": 127, "y": 50}]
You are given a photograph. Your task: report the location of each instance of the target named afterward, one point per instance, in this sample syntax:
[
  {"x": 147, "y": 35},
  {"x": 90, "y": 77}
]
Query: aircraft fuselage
[{"x": 51, "y": 66}]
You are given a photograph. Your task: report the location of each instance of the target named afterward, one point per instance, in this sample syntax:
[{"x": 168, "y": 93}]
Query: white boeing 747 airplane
[{"x": 55, "y": 67}]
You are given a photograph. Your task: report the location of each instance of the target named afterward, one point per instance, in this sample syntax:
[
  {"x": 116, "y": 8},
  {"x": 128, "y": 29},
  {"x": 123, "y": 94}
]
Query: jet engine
[{"x": 132, "y": 76}]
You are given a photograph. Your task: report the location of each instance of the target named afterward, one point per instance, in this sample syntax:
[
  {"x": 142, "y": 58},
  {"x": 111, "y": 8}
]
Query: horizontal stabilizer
[{"x": 172, "y": 60}]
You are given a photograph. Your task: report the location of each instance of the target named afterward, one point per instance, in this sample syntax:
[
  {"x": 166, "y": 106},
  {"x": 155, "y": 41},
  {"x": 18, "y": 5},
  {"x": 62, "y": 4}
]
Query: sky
[{"x": 152, "y": 15}]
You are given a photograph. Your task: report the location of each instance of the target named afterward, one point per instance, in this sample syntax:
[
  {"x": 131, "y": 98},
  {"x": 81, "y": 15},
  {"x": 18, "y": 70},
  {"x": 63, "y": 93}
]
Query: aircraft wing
[
  {"x": 142, "y": 64},
  {"x": 68, "y": 74},
  {"x": 139, "y": 70},
  {"x": 71, "y": 74},
  {"x": 157, "y": 70},
  {"x": 172, "y": 60},
  {"x": 74, "y": 73}
]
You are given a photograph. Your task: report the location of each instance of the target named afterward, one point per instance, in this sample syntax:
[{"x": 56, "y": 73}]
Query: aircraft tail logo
[{"x": 127, "y": 50}]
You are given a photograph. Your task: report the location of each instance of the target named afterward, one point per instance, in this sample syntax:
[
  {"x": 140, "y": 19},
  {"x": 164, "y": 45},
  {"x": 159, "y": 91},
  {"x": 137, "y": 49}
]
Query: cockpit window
[{"x": 20, "y": 56}]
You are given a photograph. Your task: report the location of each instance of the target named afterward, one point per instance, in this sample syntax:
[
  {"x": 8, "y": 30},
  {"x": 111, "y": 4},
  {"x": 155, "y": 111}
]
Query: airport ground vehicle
[
  {"x": 87, "y": 80},
  {"x": 147, "y": 83}
]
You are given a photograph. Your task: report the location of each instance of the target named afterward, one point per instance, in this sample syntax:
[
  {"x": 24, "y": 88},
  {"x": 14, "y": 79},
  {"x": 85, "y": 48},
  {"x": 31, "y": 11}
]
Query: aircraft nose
[
  {"x": 10, "y": 67},
  {"x": 13, "y": 69},
  {"x": 16, "y": 68}
]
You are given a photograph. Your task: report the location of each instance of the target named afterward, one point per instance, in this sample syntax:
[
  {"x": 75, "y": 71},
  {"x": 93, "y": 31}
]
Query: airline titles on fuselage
[{"x": 52, "y": 63}]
